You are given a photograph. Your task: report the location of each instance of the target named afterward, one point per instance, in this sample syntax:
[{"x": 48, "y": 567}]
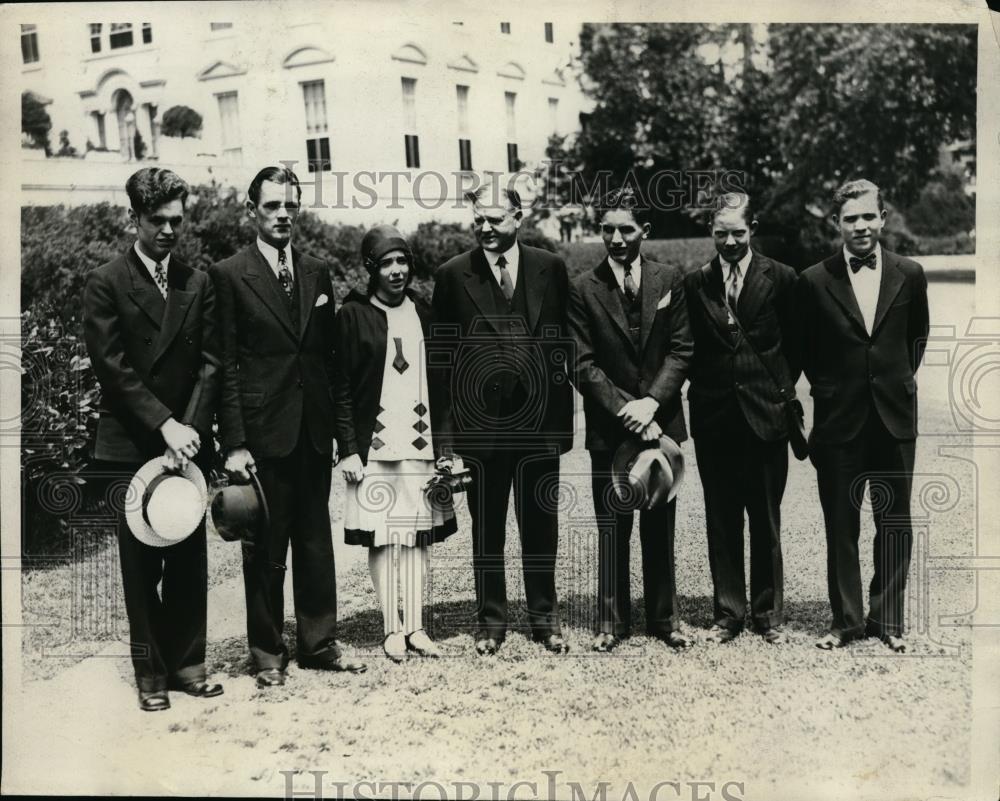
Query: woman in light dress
[{"x": 383, "y": 425}]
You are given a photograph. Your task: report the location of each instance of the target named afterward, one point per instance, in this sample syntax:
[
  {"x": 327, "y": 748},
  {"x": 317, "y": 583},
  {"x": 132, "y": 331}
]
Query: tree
[
  {"x": 35, "y": 122},
  {"x": 181, "y": 121}
]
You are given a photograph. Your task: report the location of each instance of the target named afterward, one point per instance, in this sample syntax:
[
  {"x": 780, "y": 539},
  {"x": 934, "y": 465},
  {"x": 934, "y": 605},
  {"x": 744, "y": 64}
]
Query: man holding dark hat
[
  {"x": 276, "y": 417},
  {"x": 149, "y": 326},
  {"x": 633, "y": 347}
]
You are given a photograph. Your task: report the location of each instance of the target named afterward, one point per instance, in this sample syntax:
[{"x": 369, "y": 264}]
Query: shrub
[
  {"x": 942, "y": 209},
  {"x": 35, "y": 121},
  {"x": 181, "y": 121}
]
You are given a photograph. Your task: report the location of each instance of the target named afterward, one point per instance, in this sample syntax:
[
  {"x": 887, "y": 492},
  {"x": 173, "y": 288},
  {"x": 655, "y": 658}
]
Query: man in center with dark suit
[
  {"x": 633, "y": 347},
  {"x": 276, "y": 417},
  {"x": 500, "y": 320},
  {"x": 742, "y": 305},
  {"x": 865, "y": 325}
]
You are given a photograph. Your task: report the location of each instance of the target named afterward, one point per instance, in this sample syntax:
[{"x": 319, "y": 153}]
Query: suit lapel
[
  {"x": 536, "y": 278},
  {"x": 178, "y": 302},
  {"x": 839, "y": 287},
  {"x": 710, "y": 293},
  {"x": 144, "y": 293},
  {"x": 306, "y": 277},
  {"x": 650, "y": 290},
  {"x": 259, "y": 280},
  {"x": 889, "y": 286},
  {"x": 606, "y": 291},
  {"x": 479, "y": 285},
  {"x": 756, "y": 288}
]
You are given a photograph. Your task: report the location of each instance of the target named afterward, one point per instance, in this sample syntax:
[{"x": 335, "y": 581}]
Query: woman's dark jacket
[{"x": 360, "y": 337}]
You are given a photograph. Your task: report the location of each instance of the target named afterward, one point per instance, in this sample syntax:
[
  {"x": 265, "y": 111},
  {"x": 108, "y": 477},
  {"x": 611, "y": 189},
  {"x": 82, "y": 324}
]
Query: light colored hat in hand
[
  {"x": 164, "y": 506},
  {"x": 647, "y": 474}
]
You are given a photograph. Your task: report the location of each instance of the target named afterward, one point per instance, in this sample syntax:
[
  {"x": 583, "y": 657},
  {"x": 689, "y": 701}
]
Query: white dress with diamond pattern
[{"x": 389, "y": 505}]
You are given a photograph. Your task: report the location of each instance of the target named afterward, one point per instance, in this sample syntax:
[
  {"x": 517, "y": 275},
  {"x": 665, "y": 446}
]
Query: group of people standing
[{"x": 481, "y": 380}]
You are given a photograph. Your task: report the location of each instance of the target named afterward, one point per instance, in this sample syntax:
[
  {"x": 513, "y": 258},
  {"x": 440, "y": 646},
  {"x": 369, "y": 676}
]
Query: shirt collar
[
  {"x": 619, "y": 269},
  {"x": 270, "y": 253},
  {"x": 511, "y": 255},
  {"x": 150, "y": 263},
  {"x": 743, "y": 263},
  {"x": 878, "y": 257}
]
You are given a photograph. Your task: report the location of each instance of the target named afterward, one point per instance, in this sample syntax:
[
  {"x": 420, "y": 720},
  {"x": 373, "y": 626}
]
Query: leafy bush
[
  {"x": 943, "y": 209},
  {"x": 181, "y": 121}
]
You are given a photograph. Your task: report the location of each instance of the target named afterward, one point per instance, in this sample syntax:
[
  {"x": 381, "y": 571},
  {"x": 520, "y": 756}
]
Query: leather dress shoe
[
  {"x": 487, "y": 646},
  {"x": 198, "y": 689},
  {"x": 831, "y": 642},
  {"x": 153, "y": 700},
  {"x": 894, "y": 642},
  {"x": 270, "y": 677},
  {"x": 605, "y": 643},
  {"x": 422, "y": 645},
  {"x": 720, "y": 634},
  {"x": 774, "y": 635},
  {"x": 555, "y": 644},
  {"x": 675, "y": 639}
]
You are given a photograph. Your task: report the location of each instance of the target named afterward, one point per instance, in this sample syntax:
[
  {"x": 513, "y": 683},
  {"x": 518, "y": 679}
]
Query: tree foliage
[
  {"x": 181, "y": 121},
  {"x": 797, "y": 109},
  {"x": 35, "y": 121}
]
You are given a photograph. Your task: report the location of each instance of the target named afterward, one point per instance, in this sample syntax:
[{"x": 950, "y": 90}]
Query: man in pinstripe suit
[{"x": 742, "y": 302}]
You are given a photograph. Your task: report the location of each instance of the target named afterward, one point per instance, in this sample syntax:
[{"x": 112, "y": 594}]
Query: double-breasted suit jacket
[{"x": 155, "y": 359}]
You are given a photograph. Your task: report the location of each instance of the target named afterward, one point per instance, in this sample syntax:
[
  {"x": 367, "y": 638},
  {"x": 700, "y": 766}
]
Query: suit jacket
[
  {"x": 609, "y": 370},
  {"x": 465, "y": 344},
  {"x": 726, "y": 375},
  {"x": 275, "y": 377},
  {"x": 852, "y": 373},
  {"x": 154, "y": 359},
  {"x": 361, "y": 338}
]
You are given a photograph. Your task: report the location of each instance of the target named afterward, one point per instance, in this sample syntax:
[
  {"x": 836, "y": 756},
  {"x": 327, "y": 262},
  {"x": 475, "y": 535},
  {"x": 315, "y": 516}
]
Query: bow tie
[{"x": 868, "y": 261}]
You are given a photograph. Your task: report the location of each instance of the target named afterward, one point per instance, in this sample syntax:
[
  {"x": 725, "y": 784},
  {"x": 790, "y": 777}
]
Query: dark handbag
[{"x": 794, "y": 415}]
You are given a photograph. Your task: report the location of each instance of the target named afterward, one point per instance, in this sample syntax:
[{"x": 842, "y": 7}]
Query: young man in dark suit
[
  {"x": 149, "y": 326},
  {"x": 633, "y": 347},
  {"x": 500, "y": 323},
  {"x": 865, "y": 323},
  {"x": 737, "y": 416},
  {"x": 276, "y": 417}
]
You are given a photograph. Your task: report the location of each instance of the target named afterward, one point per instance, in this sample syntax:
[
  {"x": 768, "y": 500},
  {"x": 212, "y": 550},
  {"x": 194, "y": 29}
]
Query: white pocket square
[
  {"x": 664, "y": 301},
  {"x": 322, "y": 300}
]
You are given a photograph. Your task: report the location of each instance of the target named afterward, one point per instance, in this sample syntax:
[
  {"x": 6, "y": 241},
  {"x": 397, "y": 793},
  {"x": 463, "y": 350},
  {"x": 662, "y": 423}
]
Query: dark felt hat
[
  {"x": 378, "y": 241},
  {"x": 240, "y": 510}
]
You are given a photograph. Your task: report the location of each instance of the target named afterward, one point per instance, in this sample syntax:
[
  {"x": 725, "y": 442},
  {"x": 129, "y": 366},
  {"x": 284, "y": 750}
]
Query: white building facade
[{"x": 385, "y": 114}]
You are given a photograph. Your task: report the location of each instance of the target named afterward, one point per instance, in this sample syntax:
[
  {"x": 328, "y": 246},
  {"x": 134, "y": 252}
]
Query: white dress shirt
[
  {"x": 271, "y": 255},
  {"x": 512, "y": 255},
  {"x": 150, "y": 264},
  {"x": 619, "y": 272},
  {"x": 866, "y": 283}
]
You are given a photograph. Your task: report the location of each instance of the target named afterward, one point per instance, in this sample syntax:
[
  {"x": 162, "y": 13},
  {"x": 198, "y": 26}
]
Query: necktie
[
  {"x": 160, "y": 277},
  {"x": 868, "y": 261},
  {"x": 399, "y": 362},
  {"x": 506, "y": 285},
  {"x": 732, "y": 288},
  {"x": 284, "y": 274},
  {"x": 630, "y": 289}
]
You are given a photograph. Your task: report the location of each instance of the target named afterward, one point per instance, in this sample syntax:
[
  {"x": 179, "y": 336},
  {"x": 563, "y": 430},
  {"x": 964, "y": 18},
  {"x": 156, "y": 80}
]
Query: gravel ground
[{"x": 859, "y": 722}]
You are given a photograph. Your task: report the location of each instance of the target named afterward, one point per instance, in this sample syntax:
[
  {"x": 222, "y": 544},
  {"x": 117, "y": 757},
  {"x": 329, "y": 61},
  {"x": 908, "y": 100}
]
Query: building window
[
  {"x": 121, "y": 35},
  {"x": 95, "y": 37},
  {"x": 317, "y": 143},
  {"x": 229, "y": 124},
  {"x": 504, "y": 27},
  {"x": 411, "y": 142},
  {"x": 513, "y": 164},
  {"x": 147, "y": 33},
  {"x": 549, "y": 33},
  {"x": 554, "y": 115},
  {"x": 220, "y": 26},
  {"x": 29, "y": 44},
  {"x": 464, "y": 143}
]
